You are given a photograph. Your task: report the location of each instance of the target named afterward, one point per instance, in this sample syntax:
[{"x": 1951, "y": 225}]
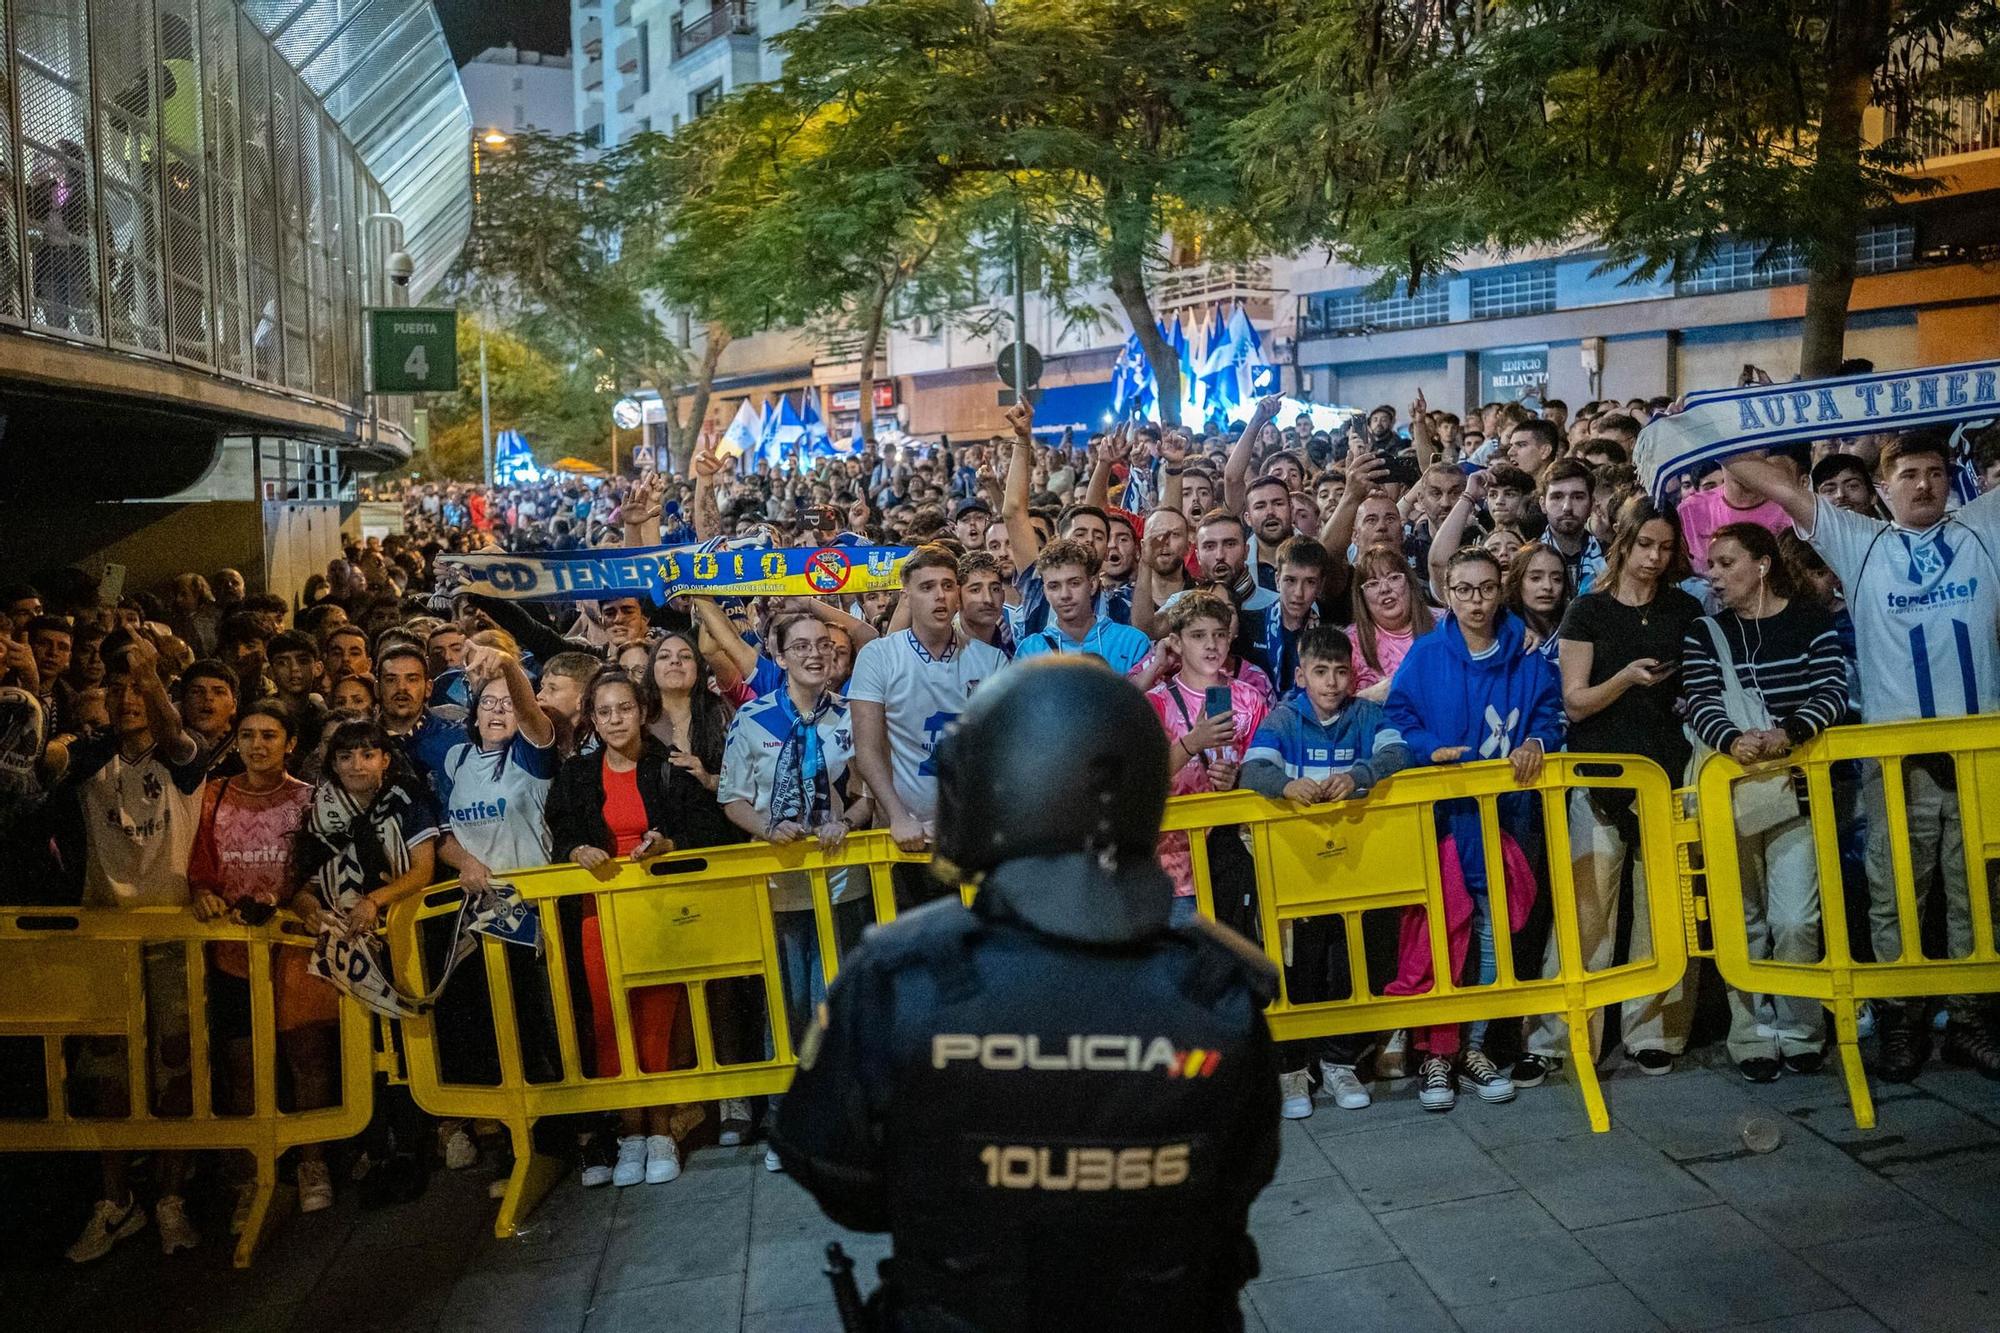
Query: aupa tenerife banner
[
  {"x": 1720, "y": 423},
  {"x": 659, "y": 572}
]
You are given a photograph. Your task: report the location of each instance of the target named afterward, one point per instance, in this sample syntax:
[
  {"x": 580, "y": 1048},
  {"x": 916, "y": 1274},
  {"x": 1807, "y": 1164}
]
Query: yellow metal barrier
[
  {"x": 1383, "y": 852},
  {"x": 1972, "y": 748},
  {"x": 686, "y": 919},
  {"x": 70, "y": 973},
  {"x": 699, "y": 917}
]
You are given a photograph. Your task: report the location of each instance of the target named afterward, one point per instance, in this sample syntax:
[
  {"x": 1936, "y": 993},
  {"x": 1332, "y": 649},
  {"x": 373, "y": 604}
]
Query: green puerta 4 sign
[{"x": 413, "y": 351}]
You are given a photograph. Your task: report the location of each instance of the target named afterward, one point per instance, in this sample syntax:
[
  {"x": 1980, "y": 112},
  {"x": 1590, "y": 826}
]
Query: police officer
[{"x": 1058, "y": 1104}]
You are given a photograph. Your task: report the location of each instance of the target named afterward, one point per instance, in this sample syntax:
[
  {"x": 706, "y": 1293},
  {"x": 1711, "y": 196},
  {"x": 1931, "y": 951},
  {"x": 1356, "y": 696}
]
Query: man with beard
[
  {"x": 1162, "y": 567},
  {"x": 402, "y": 677},
  {"x": 1566, "y": 495},
  {"x": 1267, "y": 512}
]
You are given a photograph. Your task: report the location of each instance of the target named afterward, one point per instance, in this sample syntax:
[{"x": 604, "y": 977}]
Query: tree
[
  {"x": 1405, "y": 136},
  {"x": 559, "y": 409},
  {"x": 564, "y": 247},
  {"x": 1103, "y": 121}
]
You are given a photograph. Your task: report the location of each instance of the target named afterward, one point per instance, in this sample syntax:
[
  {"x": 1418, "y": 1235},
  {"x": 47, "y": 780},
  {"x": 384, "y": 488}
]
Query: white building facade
[{"x": 510, "y": 90}]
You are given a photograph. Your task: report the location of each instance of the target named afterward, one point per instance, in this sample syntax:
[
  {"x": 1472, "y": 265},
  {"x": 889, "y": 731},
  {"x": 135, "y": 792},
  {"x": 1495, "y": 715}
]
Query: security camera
[{"x": 400, "y": 267}]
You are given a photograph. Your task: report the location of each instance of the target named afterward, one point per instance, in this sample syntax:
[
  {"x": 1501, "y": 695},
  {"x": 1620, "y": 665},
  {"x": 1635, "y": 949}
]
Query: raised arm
[
  {"x": 1236, "y": 467},
  {"x": 1757, "y": 473},
  {"x": 1014, "y": 508},
  {"x": 1421, "y": 438},
  {"x": 1451, "y": 532}
]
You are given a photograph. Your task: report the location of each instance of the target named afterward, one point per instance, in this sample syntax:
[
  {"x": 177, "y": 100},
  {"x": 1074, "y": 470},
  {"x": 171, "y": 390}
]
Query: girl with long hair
[{"x": 1390, "y": 613}]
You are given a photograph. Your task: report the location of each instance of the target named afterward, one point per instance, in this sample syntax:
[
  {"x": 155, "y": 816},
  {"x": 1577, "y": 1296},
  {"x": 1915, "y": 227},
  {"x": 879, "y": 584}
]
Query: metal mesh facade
[{"x": 191, "y": 180}]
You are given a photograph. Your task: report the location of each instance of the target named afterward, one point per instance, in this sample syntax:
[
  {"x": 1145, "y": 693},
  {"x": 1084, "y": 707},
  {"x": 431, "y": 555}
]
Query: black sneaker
[
  {"x": 1972, "y": 1045},
  {"x": 1905, "y": 1047},
  {"x": 1761, "y": 1069},
  {"x": 1530, "y": 1070},
  {"x": 1653, "y": 1062},
  {"x": 1805, "y": 1062}
]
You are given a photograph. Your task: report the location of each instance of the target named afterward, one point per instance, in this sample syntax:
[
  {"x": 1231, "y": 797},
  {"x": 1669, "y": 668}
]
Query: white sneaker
[
  {"x": 109, "y": 1223},
  {"x": 1485, "y": 1077},
  {"x": 176, "y": 1232},
  {"x": 771, "y": 1162},
  {"x": 1340, "y": 1083},
  {"x": 596, "y": 1174},
  {"x": 315, "y": 1187},
  {"x": 631, "y": 1168},
  {"x": 663, "y": 1159},
  {"x": 735, "y": 1122},
  {"x": 1394, "y": 1059},
  {"x": 1434, "y": 1084},
  {"x": 460, "y": 1151},
  {"x": 1298, "y": 1102}
]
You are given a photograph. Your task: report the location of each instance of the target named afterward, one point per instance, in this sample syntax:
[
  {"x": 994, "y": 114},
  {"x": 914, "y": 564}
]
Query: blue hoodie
[{"x": 1443, "y": 697}]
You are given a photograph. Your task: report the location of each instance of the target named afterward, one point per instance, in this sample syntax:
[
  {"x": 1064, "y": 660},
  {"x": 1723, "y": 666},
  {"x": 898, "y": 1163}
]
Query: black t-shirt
[{"x": 1642, "y": 720}]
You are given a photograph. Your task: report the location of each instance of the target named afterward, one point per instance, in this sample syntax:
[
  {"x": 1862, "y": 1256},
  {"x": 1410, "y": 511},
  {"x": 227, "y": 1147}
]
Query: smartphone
[{"x": 1216, "y": 700}]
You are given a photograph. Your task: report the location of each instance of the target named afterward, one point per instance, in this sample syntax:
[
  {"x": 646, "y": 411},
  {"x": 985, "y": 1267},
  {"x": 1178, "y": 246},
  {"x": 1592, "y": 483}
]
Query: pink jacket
[{"x": 1413, "y": 946}]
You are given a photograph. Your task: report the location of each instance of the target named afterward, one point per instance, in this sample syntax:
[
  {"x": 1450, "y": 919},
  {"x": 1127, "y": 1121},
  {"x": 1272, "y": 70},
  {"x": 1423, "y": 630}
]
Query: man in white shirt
[
  {"x": 140, "y": 792},
  {"x": 905, "y": 690},
  {"x": 1924, "y": 591}
]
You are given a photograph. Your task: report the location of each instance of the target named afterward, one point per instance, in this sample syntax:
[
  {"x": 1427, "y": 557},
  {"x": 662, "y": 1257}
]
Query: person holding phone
[
  {"x": 1210, "y": 717},
  {"x": 1621, "y": 656}
]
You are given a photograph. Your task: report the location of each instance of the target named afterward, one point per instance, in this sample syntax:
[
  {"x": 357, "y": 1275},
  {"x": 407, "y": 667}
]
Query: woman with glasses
[
  {"x": 785, "y": 779},
  {"x": 493, "y": 788},
  {"x": 1471, "y": 692},
  {"x": 1389, "y": 616},
  {"x": 607, "y": 804},
  {"x": 1621, "y": 656},
  {"x": 241, "y": 866}
]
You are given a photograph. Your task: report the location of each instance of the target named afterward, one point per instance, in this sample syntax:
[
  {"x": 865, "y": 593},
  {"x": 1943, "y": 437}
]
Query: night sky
[{"x": 533, "y": 25}]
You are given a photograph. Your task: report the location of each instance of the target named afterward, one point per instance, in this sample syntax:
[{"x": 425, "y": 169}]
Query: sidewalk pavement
[{"x": 1489, "y": 1218}]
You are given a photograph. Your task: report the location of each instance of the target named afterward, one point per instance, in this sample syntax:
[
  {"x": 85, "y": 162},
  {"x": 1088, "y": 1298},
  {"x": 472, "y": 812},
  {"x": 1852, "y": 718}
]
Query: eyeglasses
[
  {"x": 498, "y": 704},
  {"x": 809, "y": 648},
  {"x": 610, "y": 711},
  {"x": 1386, "y": 583},
  {"x": 1475, "y": 592}
]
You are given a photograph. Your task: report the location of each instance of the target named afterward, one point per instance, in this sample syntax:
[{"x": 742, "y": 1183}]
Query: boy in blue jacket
[
  {"x": 1322, "y": 744},
  {"x": 1470, "y": 691}
]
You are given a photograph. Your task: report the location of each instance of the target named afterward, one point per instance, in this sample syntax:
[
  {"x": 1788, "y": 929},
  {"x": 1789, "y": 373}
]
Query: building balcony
[
  {"x": 628, "y": 55},
  {"x": 588, "y": 4},
  {"x": 621, "y": 13},
  {"x": 1207, "y": 284},
  {"x": 593, "y": 74},
  {"x": 736, "y": 18},
  {"x": 628, "y": 96},
  {"x": 1964, "y": 125},
  {"x": 591, "y": 38}
]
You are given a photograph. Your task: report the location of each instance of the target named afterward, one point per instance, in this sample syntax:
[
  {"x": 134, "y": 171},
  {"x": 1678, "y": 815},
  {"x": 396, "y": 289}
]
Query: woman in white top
[{"x": 493, "y": 788}]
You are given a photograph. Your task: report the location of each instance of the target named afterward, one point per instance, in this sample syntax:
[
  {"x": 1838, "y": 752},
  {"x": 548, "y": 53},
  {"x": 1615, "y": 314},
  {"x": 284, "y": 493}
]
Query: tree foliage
[
  {"x": 905, "y": 135},
  {"x": 560, "y": 409},
  {"x": 1404, "y": 136}
]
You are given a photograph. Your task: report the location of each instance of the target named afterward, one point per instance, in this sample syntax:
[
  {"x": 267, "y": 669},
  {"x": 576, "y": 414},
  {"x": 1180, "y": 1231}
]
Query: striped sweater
[{"x": 1792, "y": 658}]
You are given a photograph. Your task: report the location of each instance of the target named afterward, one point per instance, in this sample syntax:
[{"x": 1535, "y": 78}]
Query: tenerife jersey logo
[
  {"x": 1928, "y": 559},
  {"x": 1094, "y": 1053}
]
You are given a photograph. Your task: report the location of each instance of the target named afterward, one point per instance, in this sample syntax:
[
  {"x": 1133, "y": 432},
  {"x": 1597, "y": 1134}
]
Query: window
[
  {"x": 645, "y": 57},
  {"x": 1529, "y": 290},
  {"x": 703, "y": 100},
  {"x": 1737, "y": 265},
  {"x": 1355, "y": 312}
]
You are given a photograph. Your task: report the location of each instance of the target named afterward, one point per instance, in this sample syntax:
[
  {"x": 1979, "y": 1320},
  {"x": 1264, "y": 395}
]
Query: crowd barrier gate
[
  {"x": 699, "y": 916},
  {"x": 1971, "y": 746},
  {"x": 78, "y": 973}
]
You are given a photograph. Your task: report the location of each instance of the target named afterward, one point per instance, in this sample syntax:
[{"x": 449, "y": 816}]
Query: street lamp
[{"x": 493, "y": 140}]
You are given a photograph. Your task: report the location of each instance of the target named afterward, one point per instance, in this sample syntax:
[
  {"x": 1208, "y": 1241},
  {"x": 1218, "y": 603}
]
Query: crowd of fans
[{"x": 1308, "y": 613}]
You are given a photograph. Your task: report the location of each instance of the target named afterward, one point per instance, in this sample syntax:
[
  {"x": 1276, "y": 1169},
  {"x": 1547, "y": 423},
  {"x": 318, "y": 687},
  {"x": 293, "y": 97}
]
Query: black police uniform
[{"x": 1059, "y": 1105}]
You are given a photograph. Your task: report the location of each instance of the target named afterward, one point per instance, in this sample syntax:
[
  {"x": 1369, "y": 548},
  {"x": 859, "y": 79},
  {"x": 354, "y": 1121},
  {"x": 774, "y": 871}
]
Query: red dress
[{"x": 655, "y": 1009}]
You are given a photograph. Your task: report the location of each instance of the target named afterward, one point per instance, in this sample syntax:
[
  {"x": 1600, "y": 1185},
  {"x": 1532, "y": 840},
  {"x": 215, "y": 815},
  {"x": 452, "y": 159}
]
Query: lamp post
[{"x": 490, "y": 140}]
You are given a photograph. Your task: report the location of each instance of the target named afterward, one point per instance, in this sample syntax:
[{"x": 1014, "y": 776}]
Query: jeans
[{"x": 1782, "y": 913}]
